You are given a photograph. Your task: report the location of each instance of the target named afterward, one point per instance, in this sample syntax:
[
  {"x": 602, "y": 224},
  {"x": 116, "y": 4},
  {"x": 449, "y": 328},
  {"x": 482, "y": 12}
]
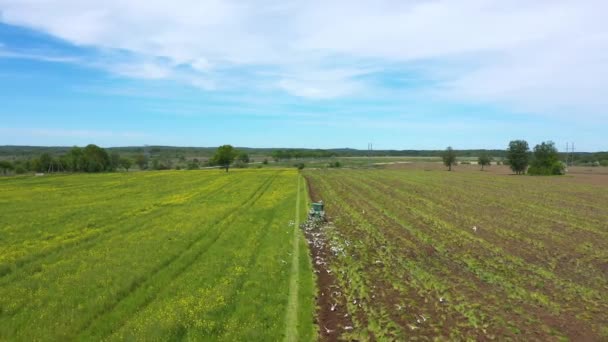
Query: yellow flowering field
[{"x": 195, "y": 255}]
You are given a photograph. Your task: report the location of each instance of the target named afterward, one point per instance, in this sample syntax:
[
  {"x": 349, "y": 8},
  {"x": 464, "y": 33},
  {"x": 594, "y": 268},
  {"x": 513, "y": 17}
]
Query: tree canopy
[
  {"x": 484, "y": 159},
  {"x": 546, "y": 160},
  {"x": 224, "y": 156},
  {"x": 125, "y": 163},
  {"x": 5, "y": 166},
  {"x": 518, "y": 156},
  {"x": 449, "y": 157}
]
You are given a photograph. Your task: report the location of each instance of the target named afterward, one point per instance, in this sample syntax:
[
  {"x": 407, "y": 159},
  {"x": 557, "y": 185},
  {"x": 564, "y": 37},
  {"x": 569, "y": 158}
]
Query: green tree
[
  {"x": 125, "y": 163},
  {"x": 449, "y": 157},
  {"x": 6, "y": 166},
  {"x": 96, "y": 159},
  {"x": 276, "y": 155},
  {"x": 141, "y": 161},
  {"x": 484, "y": 160},
  {"x": 546, "y": 160},
  {"x": 75, "y": 159},
  {"x": 155, "y": 164},
  {"x": 224, "y": 156},
  {"x": 44, "y": 162},
  {"x": 518, "y": 156},
  {"x": 194, "y": 164},
  {"x": 115, "y": 162}
]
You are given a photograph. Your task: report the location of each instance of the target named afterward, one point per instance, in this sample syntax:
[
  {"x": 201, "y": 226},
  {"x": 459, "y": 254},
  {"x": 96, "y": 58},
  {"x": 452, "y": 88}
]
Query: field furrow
[{"x": 413, "y": 267}]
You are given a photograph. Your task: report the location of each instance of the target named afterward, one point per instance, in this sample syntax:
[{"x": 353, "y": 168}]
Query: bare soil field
[{"x": 415, "y": 252}]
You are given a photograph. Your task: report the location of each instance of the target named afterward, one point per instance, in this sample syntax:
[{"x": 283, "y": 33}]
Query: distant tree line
[
  {"x": 543, "y": 159},
  {"x": 174, "y": 157},
  {"x": 288, "y": 154},
  {"x": 93, "y": 158}
]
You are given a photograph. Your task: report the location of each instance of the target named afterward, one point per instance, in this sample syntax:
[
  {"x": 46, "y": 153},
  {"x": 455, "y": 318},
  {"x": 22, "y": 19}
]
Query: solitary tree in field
[
  {"x": 483, "y": 160},
  {"x": 518, "y": 156},
  {"x": 449, "y": 157},
  {"x": 125, "y": 163},
  {"x": 224, "y": 156}
]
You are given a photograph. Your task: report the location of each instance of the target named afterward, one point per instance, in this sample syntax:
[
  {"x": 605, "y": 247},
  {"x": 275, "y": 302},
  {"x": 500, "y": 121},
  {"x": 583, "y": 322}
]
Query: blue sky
[{"x": 401, "y": 74}]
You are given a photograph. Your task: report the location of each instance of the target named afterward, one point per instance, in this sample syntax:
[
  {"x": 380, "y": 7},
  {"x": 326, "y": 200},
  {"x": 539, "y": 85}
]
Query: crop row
[{"x": 415, "y": 267}]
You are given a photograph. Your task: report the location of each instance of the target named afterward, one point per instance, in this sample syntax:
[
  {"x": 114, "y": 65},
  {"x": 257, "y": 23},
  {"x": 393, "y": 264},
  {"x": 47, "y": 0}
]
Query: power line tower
[
  {"x": 569, "y": 154},
  {"x": 370, "y": 148}
]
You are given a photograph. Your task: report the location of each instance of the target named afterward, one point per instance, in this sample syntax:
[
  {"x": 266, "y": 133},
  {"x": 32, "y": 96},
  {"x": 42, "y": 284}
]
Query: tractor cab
[{"x": 317, "y": 210}]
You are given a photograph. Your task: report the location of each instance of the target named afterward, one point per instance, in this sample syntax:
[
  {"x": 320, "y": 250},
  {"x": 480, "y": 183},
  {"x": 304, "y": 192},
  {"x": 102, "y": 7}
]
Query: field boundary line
[{"x": 291, "y": 321}]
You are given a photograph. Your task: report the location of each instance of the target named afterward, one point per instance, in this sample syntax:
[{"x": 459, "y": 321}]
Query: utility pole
[{"x": 572, "y": 154}]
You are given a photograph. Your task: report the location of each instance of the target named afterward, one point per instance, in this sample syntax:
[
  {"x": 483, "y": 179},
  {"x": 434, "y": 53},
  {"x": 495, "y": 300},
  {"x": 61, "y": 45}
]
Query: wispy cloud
[
  {"x": 540, "y": 56},
  {"x": 4, "y": 53}
]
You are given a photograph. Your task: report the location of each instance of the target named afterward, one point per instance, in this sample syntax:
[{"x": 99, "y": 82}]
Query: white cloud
[
  {"x": 4, "y": 53},
  {"x": 201, "y": 64},
  {"x": 546, "y": 55},
  {"x": 145, "y": 70},
  {"x": 323, "y": 84}
]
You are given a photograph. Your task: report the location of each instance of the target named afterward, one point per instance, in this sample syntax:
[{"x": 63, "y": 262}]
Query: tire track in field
[
  {"x": 240, "y": 280},
  {"x": 291, "y": 316},
  {"x": 91, "y": 241},
  {"x": 7, "y": 274},
  {"x": 157, "y": 284}
]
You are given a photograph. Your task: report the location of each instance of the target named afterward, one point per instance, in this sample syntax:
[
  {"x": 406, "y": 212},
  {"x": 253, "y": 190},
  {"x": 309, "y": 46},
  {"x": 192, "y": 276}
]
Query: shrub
[
  {"x": 556, "y": 168},
  {"x": 546, "y": 160}
]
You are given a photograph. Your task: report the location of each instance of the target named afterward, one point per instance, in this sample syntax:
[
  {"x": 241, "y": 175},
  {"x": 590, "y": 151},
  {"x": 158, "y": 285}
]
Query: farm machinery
[{"x": 317, "y": 212}]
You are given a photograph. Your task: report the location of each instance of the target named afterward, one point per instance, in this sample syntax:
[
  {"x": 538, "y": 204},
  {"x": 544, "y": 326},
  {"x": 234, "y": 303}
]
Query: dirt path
[{"x": 291, "y": 328}]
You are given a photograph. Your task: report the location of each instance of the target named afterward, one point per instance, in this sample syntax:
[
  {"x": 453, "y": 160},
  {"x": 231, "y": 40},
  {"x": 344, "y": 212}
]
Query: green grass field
[
  {"x": 404, "y": 262},
  {"x": 193, "y": 255}
]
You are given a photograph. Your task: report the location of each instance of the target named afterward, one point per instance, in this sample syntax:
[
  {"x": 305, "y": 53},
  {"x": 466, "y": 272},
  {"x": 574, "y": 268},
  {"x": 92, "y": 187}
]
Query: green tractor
[{"x": 317, "y": 211}]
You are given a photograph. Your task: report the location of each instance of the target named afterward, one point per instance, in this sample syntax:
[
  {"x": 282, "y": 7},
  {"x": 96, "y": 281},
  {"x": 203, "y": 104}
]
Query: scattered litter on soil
[{"x": 331, "y": 304}]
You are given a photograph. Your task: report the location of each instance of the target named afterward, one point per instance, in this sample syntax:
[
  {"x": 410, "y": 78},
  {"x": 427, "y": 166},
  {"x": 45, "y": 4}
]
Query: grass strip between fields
[{"x": 291, "y": 332}]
